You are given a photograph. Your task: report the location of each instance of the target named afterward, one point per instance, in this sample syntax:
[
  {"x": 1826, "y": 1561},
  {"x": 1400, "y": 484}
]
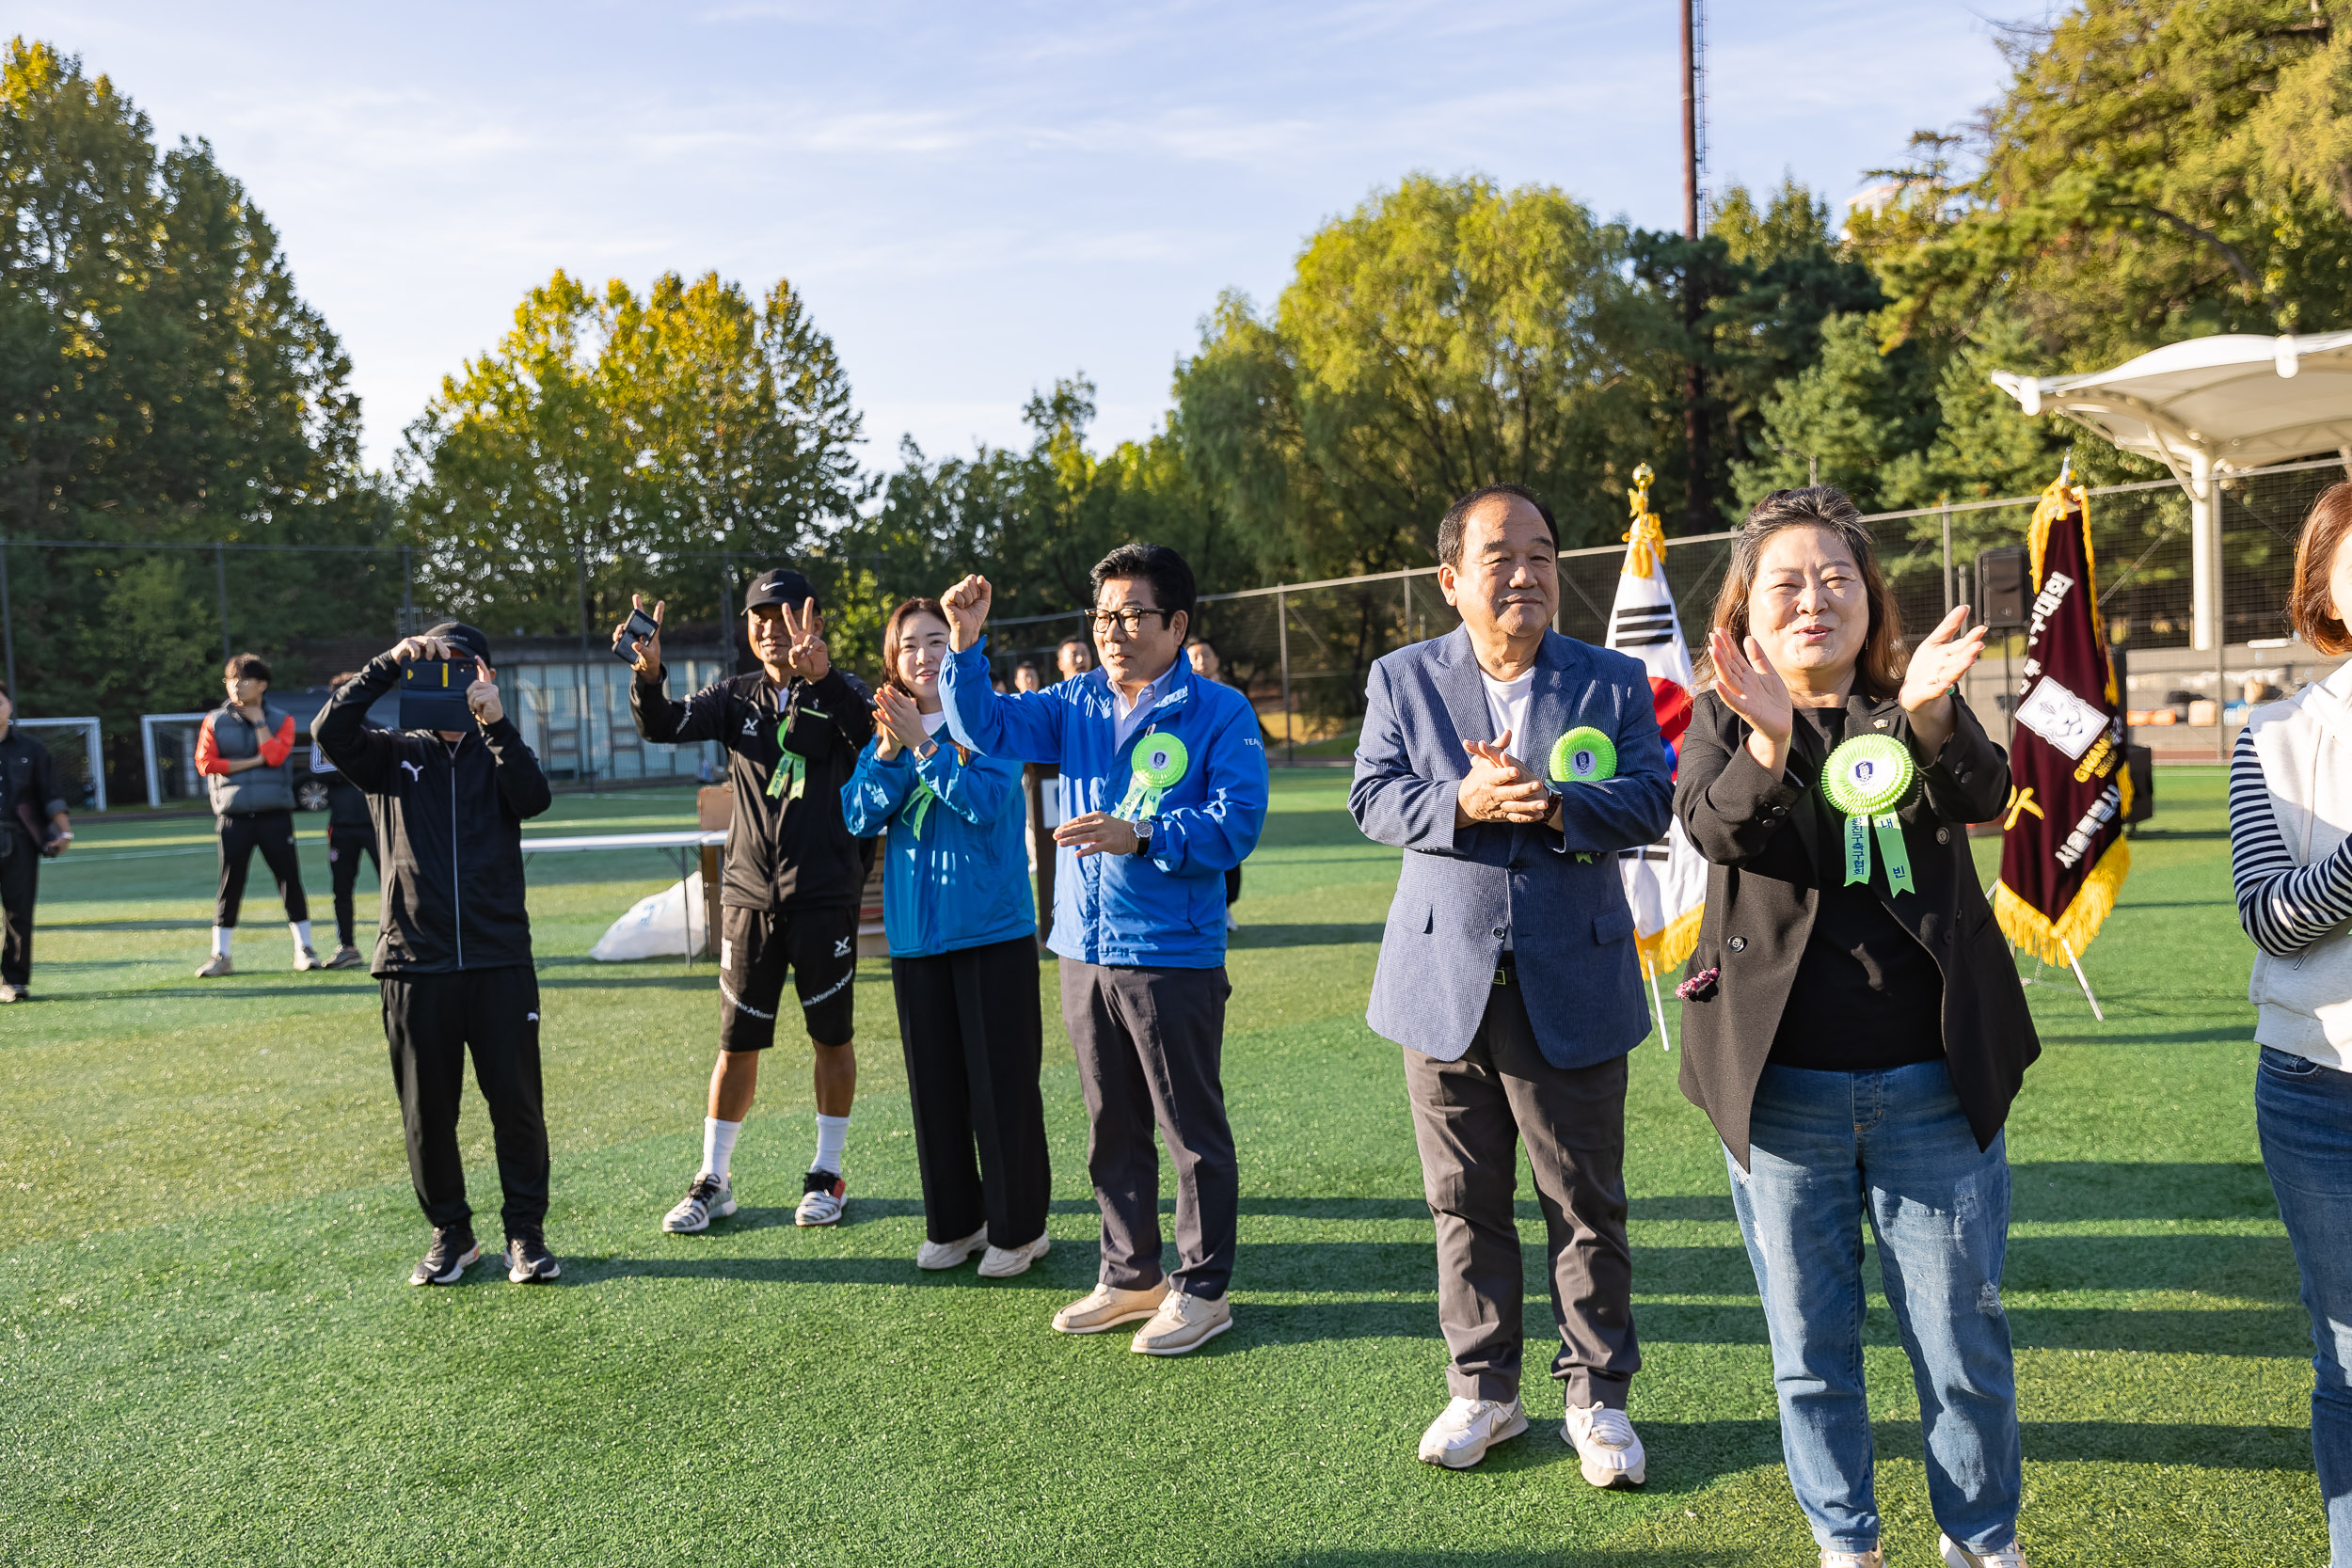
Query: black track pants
[
  {"x": 345, "y": 845},
  {"x": 430, "y": 1020},
  {"x": 272, "y": 833},
  {"x": 970, "y": 1025},
  {"x": 20, "y": 879}
]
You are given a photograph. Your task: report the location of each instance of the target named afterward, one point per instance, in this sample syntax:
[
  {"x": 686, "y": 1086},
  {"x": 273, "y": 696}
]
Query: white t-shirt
[
  {"x": 1506, "y": 705},
  {"x": 934, "y": 723}
]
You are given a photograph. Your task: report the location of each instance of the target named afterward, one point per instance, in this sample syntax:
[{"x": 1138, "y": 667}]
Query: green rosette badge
[
  {"x": 1870, "y": 778},
  {"x": 1161, "y": 762},
  {"x": 1583, "y": 756}
]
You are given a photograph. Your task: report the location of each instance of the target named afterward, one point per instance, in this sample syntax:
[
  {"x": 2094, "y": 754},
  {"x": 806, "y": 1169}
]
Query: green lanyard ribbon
[
  {"x": 791, "y": 776},
  {"x": 1161, "y": 763},
  {"x": 918, "y": 806},
  {"x": 1583, "y": 756},
  {"x": 1870, "y": 778}
]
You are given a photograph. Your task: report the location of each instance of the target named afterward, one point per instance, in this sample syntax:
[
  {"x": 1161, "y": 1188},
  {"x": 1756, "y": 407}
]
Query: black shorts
[{"x": 755, "y": 947}]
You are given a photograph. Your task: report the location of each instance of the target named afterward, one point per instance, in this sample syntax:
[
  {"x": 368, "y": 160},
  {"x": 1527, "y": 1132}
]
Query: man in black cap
[
  {"x": 793, "y": 731},
  {"x": 452, "y": 948}
]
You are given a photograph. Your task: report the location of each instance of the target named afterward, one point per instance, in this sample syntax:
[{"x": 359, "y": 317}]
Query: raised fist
[{"x": 966, "y": 604}]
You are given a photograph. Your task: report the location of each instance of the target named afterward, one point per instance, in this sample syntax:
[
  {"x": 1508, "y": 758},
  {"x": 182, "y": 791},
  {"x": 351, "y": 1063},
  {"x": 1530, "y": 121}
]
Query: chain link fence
[{"x": 1303, "y": 651}]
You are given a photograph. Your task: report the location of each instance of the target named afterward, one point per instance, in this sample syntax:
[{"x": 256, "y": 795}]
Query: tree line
[{"x": 2147, "y": 170}]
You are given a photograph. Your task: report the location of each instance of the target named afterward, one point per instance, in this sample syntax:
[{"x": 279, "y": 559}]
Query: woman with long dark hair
[
  {"x": 962, "y": 933},
  {"x": 1854, "y": 1029}
]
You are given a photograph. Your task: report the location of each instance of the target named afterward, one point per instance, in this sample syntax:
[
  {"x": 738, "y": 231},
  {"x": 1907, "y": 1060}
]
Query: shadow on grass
[
  {"x": 2122, "y": 1033},
  {"x": 2131, "y": 1190},
  {"x": 1302, "y": 934}
]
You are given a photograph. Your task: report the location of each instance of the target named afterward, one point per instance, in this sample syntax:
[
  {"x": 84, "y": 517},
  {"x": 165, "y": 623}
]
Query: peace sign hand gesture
[{"x": 809, "y": 658}]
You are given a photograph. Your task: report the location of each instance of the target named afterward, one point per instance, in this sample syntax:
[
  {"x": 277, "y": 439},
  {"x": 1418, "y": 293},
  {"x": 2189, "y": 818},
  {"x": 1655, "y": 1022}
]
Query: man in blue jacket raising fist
[{"x": 1163, "y": 789}]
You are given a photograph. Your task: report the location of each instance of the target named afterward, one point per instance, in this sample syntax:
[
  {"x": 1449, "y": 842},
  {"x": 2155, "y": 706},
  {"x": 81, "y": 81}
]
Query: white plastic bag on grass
[{"x": 655, "y": 925}]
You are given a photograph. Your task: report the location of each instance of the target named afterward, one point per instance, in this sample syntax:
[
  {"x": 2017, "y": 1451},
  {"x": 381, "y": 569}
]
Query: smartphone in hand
[
  {"x": 634, "y": 633},
  {"x": 433, "y": 695}
]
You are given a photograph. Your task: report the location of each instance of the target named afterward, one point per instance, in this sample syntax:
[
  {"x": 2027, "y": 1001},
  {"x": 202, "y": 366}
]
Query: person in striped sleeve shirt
[{"x": 2291, "y": 857}]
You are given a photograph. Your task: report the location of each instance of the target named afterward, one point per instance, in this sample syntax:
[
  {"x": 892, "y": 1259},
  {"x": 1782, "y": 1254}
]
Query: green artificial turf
[{"x": 208, "y": 1353}]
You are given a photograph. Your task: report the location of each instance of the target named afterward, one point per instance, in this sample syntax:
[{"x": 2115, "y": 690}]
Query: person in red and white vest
[{"x": 242, "y": 750}]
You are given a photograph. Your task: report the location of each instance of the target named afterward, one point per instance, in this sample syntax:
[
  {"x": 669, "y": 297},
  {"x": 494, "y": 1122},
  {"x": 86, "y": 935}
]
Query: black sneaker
[
  {"x": 529, "y": 1262},
  {"x": 453, "y": 1252}
]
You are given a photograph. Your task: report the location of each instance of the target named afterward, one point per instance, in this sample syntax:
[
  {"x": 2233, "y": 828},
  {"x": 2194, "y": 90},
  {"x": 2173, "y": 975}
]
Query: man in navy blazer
[{"x": 1508, "y": 970}]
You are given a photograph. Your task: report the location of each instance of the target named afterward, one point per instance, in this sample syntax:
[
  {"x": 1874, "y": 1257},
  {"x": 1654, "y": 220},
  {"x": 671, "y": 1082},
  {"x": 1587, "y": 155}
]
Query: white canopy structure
[{"x": 2206, "y": 408}]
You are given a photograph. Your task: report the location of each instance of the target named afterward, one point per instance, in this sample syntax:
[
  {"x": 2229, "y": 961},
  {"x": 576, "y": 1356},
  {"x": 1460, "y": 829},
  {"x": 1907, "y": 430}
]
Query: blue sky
[{"x": 974, "y": 199}]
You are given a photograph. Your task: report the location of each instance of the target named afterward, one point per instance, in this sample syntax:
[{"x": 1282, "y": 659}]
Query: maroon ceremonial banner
[{"x": 2063, "y": 856}]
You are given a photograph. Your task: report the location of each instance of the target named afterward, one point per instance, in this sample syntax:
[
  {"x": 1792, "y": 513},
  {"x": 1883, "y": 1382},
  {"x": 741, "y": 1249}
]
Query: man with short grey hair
[{"x": 1512, "y": 764}]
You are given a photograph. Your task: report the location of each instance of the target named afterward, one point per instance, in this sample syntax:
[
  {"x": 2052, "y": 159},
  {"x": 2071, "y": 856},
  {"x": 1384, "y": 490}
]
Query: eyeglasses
[{"x": 1130, "y": 622}]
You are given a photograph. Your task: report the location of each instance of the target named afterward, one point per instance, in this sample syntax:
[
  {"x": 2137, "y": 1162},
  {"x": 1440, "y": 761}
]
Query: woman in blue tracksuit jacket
[{"x": 962, "y": 925}]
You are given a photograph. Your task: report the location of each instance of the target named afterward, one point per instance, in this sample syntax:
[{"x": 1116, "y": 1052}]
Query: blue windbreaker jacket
[
  {"x": 962, "y": 878},
  {"x": 1164, "y": 912}
]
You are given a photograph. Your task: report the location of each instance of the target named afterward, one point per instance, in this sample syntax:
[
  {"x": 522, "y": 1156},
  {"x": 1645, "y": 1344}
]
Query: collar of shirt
[{"x": 1123, "y": 713}]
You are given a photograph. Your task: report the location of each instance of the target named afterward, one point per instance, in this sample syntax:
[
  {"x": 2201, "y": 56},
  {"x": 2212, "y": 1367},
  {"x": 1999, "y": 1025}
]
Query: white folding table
[{"x": 693, "y": 843}]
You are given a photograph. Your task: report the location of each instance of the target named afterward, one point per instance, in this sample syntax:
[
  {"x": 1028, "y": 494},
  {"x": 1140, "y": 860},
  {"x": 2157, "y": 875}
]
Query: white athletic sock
[
  {"x": 719, "y": 1146},
  {"x": 220, "y": 941},
  {"x": 301, "y": 929},
  {"x": 833, "y": 1135}
]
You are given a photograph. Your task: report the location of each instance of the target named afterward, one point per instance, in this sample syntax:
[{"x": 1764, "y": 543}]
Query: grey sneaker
[
  {"x": 529, "y": 1262},
  {"x": 446, "y": 1260},
  {"x": 711, "y": 1197},
  {"x": 217, "y": 966},
  {"x": 345, "y": 958}
]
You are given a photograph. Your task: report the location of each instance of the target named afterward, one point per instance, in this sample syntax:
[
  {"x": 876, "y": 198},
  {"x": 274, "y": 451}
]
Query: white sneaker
[
  {"x": 1871, "y": 1559},
  {"x": 823, "y": 1196},
  {"x": 1604, "y": 1440},
  {"x": 1107, "y": 1306},
  {"x": 1958, "y": 1556},
  {"x": 1182, "y": 1324},
  {"x": 1003, "y": 1262},
  {"x": 1466, "y": 1429},
  {"x": 951, "y": 1254},
  {"x": 307, "y": 959},
  {"x": 217, "y": 966},
  {"x": 711, "y": 1197}
]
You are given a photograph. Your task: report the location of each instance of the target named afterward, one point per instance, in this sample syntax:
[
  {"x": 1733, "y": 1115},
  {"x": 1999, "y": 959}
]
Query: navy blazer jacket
[{"x": 1557, "y": 895}]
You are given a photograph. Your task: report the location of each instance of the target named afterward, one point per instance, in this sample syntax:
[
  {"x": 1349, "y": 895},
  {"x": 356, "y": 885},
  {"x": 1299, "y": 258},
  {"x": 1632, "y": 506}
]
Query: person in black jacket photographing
[
  {"x": 452, "y": 948},
  {"x": 793, "y": 731}
]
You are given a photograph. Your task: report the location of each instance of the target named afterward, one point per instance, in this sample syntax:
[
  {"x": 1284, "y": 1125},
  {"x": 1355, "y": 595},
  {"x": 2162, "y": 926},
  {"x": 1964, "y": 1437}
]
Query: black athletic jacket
[
  {"x": 781, "y": 854},
  {"x": 448, "y": 827}
]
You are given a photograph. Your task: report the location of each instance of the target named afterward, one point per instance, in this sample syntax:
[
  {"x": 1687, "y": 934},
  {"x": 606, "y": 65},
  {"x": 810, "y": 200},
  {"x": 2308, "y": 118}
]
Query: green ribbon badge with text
[
  {"x": 1161, "y": 762},
  {"x": 1583, "y": 756},
  {"x": 1870, "y": 779},
  {"x": 791, "y": 776}
]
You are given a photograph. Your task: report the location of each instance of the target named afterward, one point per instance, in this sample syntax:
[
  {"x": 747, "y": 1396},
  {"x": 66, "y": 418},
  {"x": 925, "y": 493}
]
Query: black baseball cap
[
  {"x": 461, "y": 635},
  {"x": 781, "y": 586}
]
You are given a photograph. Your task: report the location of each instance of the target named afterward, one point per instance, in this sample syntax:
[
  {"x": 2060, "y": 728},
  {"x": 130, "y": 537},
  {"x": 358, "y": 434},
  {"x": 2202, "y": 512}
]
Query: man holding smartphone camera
[
  {"x": 793, "y": 731},
  {"x": 453, "y": 950}
]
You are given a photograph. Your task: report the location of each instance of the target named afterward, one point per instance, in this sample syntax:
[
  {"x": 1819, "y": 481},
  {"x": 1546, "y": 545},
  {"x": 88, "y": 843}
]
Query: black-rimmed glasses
[{"x": 1130, "y": 621}]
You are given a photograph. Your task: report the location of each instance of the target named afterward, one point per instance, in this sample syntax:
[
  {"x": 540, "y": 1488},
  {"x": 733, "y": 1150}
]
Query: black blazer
[{"x": 1759, "y": 838}]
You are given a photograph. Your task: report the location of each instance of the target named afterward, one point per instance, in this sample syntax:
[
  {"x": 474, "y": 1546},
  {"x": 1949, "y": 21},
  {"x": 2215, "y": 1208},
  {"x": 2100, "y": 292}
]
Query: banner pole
[
  {"x": 2081, "y": 981},
  {"x": 1665, "y": 1041}
]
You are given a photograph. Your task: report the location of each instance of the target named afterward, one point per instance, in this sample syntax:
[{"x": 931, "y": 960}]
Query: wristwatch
[{"x": 1143, "y": 836}]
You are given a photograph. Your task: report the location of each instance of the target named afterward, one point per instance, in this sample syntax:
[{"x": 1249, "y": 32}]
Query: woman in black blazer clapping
[{"x": 1854, "y": 1029}]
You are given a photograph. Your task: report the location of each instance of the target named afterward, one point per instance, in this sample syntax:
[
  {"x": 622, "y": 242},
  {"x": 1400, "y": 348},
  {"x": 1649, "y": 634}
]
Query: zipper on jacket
[{"x": 456, "y": 894}]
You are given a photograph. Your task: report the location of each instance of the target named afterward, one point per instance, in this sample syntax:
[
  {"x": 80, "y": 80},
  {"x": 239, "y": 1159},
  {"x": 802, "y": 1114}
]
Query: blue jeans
[
  {"x": 2304, "y": 1113},
  {"x": 1826, "y": 1149}
]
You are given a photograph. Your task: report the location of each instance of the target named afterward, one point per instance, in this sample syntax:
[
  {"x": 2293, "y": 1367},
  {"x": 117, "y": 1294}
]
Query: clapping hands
[
  {"x": 898, "y": 723},
  {"x": 1498, "y": 789}
]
